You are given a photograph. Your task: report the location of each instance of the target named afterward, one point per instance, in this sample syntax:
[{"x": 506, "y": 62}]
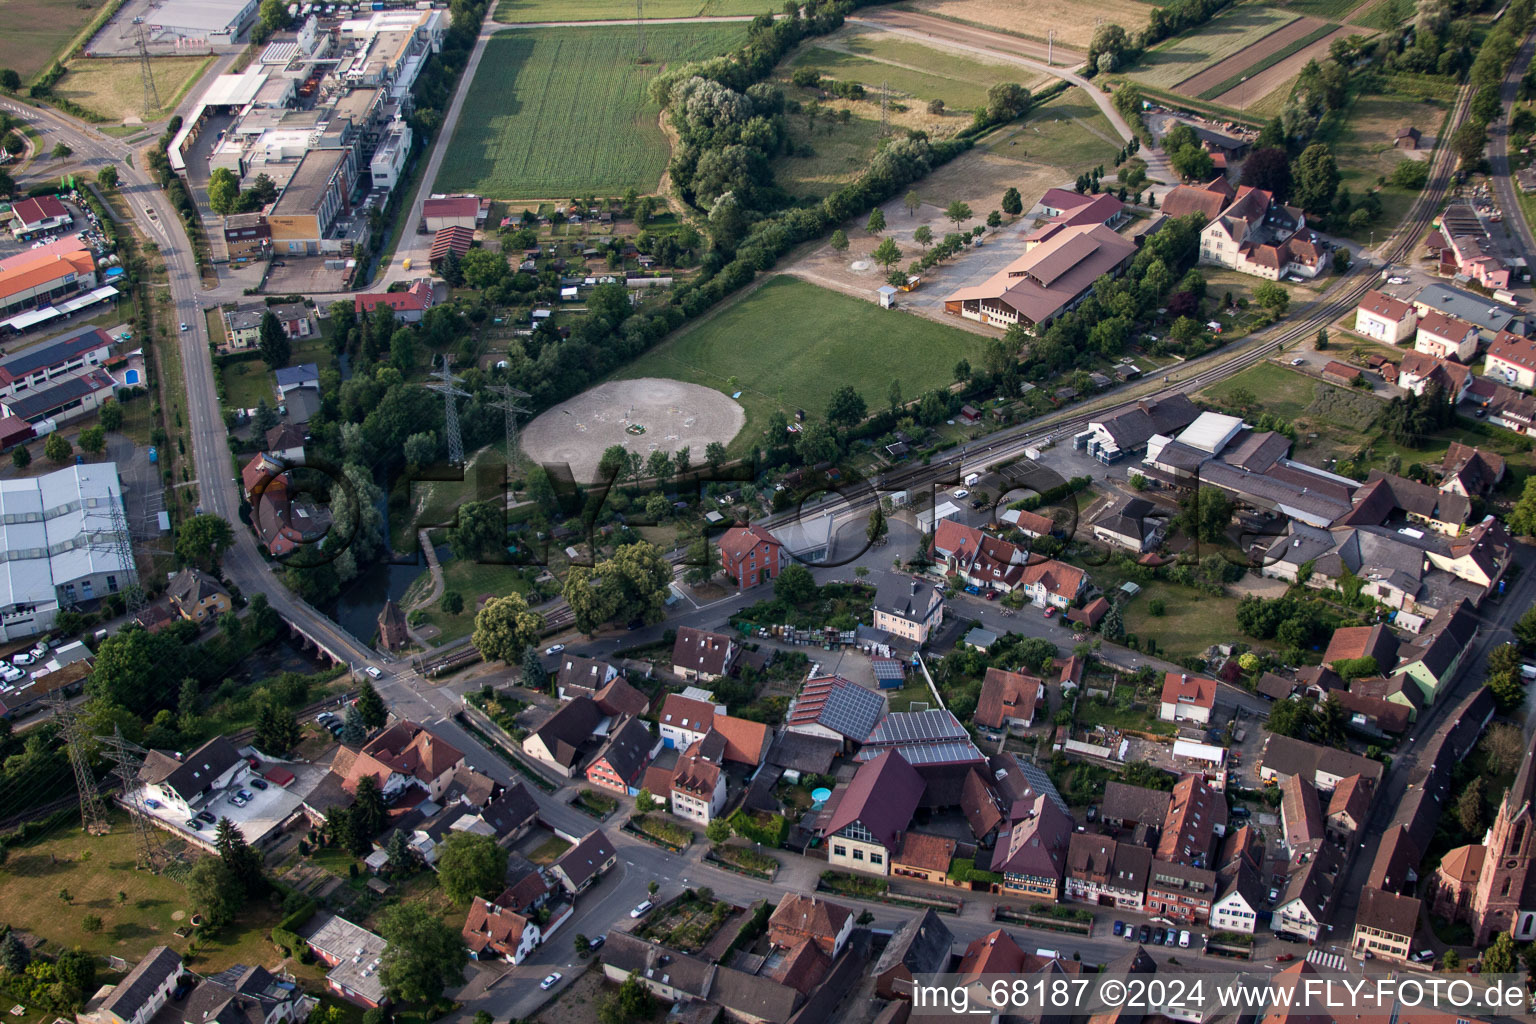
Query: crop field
[
  {"x": 819, "y": 341},
  {"x": 1179, "y": 59},
  {"x": 1328, "y": 10},
  {"x": 1251, "y": 61},
  {"x": 37, "y": 30},
  {"x": 114, "y": 87},
  {"x": 1072, "y": 23},
  {"x": 557, "y": 111},
  {"x": 1280, "y": 68},
  {"x": 518, "y": 12},
  {"x": 908, "y": 68}
]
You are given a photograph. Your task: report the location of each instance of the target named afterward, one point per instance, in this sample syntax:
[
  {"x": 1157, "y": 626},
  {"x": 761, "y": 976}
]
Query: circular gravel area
[{"x": 674, "y": 415}]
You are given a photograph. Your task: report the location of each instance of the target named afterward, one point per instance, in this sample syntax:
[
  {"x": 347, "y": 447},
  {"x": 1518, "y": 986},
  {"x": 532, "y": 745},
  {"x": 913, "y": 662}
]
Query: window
[
  {"x": 858, "y": 854},
  {"x": 879, "y": 858},
  {"x": 840, "y": 851}
]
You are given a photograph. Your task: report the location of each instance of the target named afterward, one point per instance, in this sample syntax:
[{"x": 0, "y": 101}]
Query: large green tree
[
  {"x": 203, "y": 539},
  {"x": 133, "y": 666},
  {"x": 795, "y": 584},
  {"x": 242, "y": 861},
  {"x": 274, "y": 345},
  {"x": 506, "y": 627},
  {"x": 1205, "y": 514},
  {"x": 633, "y": 584},
  {"x": 223, "y": 191},
  {"x": 277, "y": 730},
  {"x": 215, "y": 890},
  {"x": 846, "y": 407},
  {"x": 369, "y": 814},
  {"x": 1315, "y": 179},
  {"x": 371, "y": 706},
  {"x": 470, "y": 864},
  {"x": 424, "y": 956},
  {"x": 480, "y": 530}
]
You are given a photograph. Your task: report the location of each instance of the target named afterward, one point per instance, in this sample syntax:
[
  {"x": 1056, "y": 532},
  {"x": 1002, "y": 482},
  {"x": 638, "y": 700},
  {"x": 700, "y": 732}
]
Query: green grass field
[
  {"x": 517, "y": 12},
  {"x": 114, "y": 90},
  {"x": 553, "y": 112},
  {"x": 1066, "y": 131},
  {"x": 818, "y": 340},
  {"x": 37, "y": 30},
  {"x": 1169, "y": 63},
  {"x": 1191, "y": 620},
  {"x": 908, "y": 69},
  {"x": 1328, "y": 10}
]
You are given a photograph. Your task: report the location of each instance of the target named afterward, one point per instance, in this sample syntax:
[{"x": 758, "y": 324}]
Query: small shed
[
  {"x": 1408, "y": 137},
  {"x": 887, "y": 296}
]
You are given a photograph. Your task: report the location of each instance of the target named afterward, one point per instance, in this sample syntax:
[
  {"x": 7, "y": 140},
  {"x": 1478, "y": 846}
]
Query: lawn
[
  {"x": 516, "y": 12},
  {"x": 114, "y": 89},
  {"x": 553, "y": 112},
  {"x": 94, "y": 870},
  {"x": 1284, "y": 392},
  {"x": 841, "y": 154},
  {"x": 907, "y": 68},
  {"x": 1171, "y": 62},
  {"x": 469, "y": 579},
  {"x": 547, "y": 851},
  {"x": 1066, "y": 131},
  {"x": 248, "y": 382},
  {"x": 37, "y": 30},
  {"x": 1192, "y": 620},
  {"x": 819, "y": 341}
]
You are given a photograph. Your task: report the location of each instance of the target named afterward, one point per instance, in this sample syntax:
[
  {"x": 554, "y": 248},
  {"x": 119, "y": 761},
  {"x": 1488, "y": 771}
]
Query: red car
[
  {"x": 1285, "y": 958},
  {"x": 1050, "y": 612},
  {"x": 991, "y": 595}
]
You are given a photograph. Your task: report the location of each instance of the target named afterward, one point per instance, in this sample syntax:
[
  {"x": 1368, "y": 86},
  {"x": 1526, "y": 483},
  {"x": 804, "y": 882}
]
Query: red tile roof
[
  {"x": 1385, "y": 306},
  {"x": 1006, "y": 695},
  {"x": 1181, "y": 688}
]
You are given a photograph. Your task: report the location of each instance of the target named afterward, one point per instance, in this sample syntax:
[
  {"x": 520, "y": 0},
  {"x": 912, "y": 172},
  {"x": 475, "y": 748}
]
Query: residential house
[
  {"x": 1488, "y": 317},
  {"x": 697, "y": 787},
  {"x": 666, "y": 973},
  {"x": 1239, "y": 900},
  {"x": 1031, "y": 524},
  {"x": 920, "y": 946},
  {"x": 1385, "y": 924},
  {"x": 1443, "y": 336},
  {"x": 582, "y": 677},
  {"x": 1471, "y": 248},
  {"x": 353, "y": 955},
  {"x": 1009, "y": 700},
  {"x": 800, "y": 919},
  {"x": 1126, "y": 806},
  {"x": 1197, "y": 816},
  {"x": 1049, "y": 279},
  {"x": 703, "y": 656},
  {"x": 492, "y": 931},
  {"x": 582, "y": 864},
  {"x": 409, "y": 306},
  {"x": 559, "y": 740},
  {"x": 1511, "y": 359},
  {"x": 1324, "y": 767},
  {"x": 246, "y": 995},
  {"x": 1033, "y": 859},
  {"x": 1106, "y": 873},
  {"x": 144, "y": 990},
  {"x": 286, "y": 442},
  {"x": 1126, "y": 524},
  {"x": 864, "y": 821},
  {"x": 291, "y": 378},
  {"x": 924, "y": 857},
  {"x": 197, "y": 596},
  {"x": 1301, "y": 816},
  {"x": 1187, "y": 698},
  {"x": 979, "y": 559},
  {"x": 1180, "y": 892},
  {"x": 835, "y": 708},
  {"x": 184, "y": 784},
  {"x": 1470, "y": 472},
  {"x": 242, "y": 326},
  {"x": 1376, "y": 697},
  {"x": 1351, "y": 643},
  {"x": 619, "y": 698},
  {"x": 1304, "y": 907},
  {"x": 404, "y": 754},
  {"x": 685, "y": 720},
  {"x": 1419, "y": 373},
  {"x": 1348, "y": 809},
  {"x": 1053, "y": 584},
  {"x": 512, "y": 814},
  {"x": 1385, "y": 318},
  {"x": 908, "y": 608},
  {"x": 750, "y": 555},
  {"x": 296, "y": 319},
  {"x": 621, "y": 762}
]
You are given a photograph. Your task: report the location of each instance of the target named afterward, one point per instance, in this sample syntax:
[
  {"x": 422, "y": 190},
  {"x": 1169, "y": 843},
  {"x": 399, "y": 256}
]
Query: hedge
[{"x": 285, "y": 932}]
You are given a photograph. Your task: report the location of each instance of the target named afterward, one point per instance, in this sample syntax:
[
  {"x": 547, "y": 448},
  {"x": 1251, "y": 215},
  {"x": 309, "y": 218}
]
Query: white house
[
  {"x": 1187, "y": 698},
  {"x": 183, "y": 783},
  {"x": 686, "y": 718},
  {"x": 492, "y": 931},
  {"x": 1512, "y": 359},
  {"x": 1384, "y": 318},
  {"x": 1237, "y": 906},
  {"x": 141, "y": 994},
  {"x": 698, "y": 790},
  {"x": 1446, "y": 337}
]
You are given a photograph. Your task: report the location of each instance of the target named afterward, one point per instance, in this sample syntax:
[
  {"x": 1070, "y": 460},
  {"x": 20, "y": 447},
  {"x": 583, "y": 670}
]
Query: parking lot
[{"x": 258, "y": 818}]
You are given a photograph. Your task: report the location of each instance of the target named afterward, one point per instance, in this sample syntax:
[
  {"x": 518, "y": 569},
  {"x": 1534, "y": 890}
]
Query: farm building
[
  {"x": 1407, "y": 137},
  {"x": 1048, "y": 280},
  {"x": 454, "y": 239},
  {"x": 450, "y": 212}
]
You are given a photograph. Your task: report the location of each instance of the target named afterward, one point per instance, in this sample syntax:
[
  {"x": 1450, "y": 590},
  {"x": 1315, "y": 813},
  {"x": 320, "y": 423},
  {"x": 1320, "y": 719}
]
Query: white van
[{"x": 1184, "y": 940}]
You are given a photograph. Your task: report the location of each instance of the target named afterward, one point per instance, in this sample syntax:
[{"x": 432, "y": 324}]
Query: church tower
[{"x": 1505, "y": 900}]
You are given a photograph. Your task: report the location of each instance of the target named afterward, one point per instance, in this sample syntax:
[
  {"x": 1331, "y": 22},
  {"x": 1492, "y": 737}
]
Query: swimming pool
[{"x": 130, "y": 376}]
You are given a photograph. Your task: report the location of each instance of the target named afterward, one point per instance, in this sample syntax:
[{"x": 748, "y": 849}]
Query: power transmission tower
[
  {"x": 447, "y": 387},
  {"x": 127, "y": 757},
  {"x": 122, "y": 546},
  {"x": 151, "y": 95},
  {"x": 93, "y": 816},
  {"x": 640, "y": 31},
  {"x": 511, "y": 409}
]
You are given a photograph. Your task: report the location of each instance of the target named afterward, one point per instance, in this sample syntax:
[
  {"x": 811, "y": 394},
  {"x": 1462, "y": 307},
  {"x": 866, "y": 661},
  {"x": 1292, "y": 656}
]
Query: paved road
[{"x": 1504, "y": 185}]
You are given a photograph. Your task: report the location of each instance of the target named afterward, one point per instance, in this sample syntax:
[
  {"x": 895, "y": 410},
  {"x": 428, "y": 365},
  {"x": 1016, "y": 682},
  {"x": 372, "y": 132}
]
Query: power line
[{"x": 93, "y": 817}]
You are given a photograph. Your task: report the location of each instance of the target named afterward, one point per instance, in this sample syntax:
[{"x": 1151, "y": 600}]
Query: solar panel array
[
  {"x": 852, "y": 710},
  {"x": 933, "y": 753},
  {"x": 918, "y": 726}
]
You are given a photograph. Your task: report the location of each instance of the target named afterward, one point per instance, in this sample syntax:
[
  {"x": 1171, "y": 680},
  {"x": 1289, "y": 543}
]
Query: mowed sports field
[
  {"x": 557, "y": 112},
  {"x": 790, "y": 344},
  {"x": 37, "y": 30},
  {"x": 519, "y": 12}
]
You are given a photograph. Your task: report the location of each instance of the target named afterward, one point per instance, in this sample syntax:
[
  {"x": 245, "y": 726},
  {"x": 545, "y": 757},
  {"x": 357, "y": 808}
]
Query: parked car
[
  {"x": 1274, "y": 894},
  {"x": 238, "y": 801},
  {"x": 1184, "y": 940},
  {"x": 1158, "y": 935},
  {"x": 1119, "y": 927},
  {"x": 550, "y": 981},
  {"x": 259, "y": 783},
  {"x": 645, "y": 907},
  {"x": 596, "y": 943},
  {"x": 374, "y": 672},
  {"x": 194, "y": 825},
  {"x": 1130, "y": 933},
  {"x": 206, "y": 816},
  {"x": 990, "y": 595},
  {"x": 1144, "y": 934},
  {"x": 1423, "y": 956},
  {"x": 1171, "y": 937},
  {"x": 554, "y": 648},
  {"x": 962, "y": 493},
  {"x": 1285, "y": 958},
  {"x": 22, "y": 659},
  {"x": 1050, "y": 612},
  {"x": 246, "y": 795},
  {"x": 154, "y": 805}
]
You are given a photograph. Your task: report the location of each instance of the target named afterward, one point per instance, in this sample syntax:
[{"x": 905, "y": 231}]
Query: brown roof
[
  {"x": 882, "y": 797},
  {"x": 979, "y": 805},
  {"x": 1125, "y": 802},
  {"x": 1276, "y": 687},
  {"x": 1388, "y": 912},
  {"x": 1006, "y": 695},
  {"x": 619, "y": 698},
  {"x": 930, "y": 853},
  {"x": 1182, "y": 688},
  {"x": 1195, "y": 812},
  {"x": 1352, "y": 798},
  {"x": 1182, "y": 200},
  {"x": 491, "y": 926},
  {"x": 701, "y": 651},
  {"x": 1443, "y": 325},
  {"x": 1049, "y": 276},
  {"x": 746, "y": 742},
  {"x": 1300, "y": 812},
  {"x": 993, "y": 953},
  {"x": 687, "y": 713},
  {"x": 1390, "y": 716},
  {"x": 798, "y": 918},
  {"x": 1351, "y": 642},
  {"x": 1464, "y": 864},
  {"x": 802, "y": 968},
  {"x": 1381, "y": 304}
]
